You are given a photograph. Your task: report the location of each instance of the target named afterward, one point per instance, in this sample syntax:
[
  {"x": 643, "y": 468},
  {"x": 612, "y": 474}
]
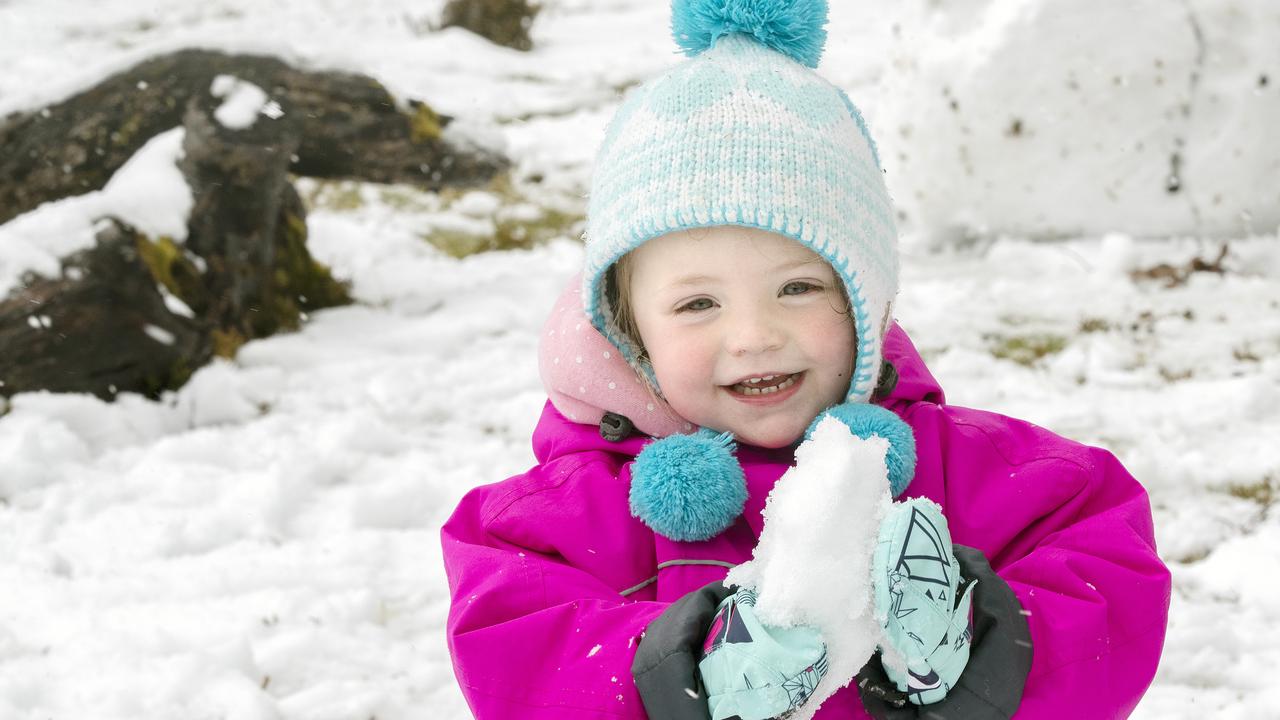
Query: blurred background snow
[{"x": 263, "y": 543}]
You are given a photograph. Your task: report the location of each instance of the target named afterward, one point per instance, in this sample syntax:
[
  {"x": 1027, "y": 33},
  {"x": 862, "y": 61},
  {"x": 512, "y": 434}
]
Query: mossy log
[
  {"x": 237, "y": 177},
  {"x": 102, "y": 327},
  {"x": 503, "y": 22},
  {"x": 350, "y": 127},
  {"x": 105, "y": 326}
]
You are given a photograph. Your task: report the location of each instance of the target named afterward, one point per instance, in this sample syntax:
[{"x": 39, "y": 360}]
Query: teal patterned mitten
[
  {"x": 754, "y": 672},
  {"x": 923, "y": 601}
]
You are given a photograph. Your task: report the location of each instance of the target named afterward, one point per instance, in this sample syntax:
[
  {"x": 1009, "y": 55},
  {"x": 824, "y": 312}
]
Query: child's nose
[{"x": 755, "y": 333}]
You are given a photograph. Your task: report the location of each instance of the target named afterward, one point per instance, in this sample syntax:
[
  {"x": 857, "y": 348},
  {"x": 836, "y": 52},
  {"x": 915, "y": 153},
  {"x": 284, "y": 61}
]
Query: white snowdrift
[{"x": 1052, "y": 119}]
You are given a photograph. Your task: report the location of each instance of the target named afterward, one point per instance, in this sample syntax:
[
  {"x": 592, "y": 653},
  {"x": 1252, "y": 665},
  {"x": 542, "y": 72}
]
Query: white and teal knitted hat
[{"x": 745, "y": 133}]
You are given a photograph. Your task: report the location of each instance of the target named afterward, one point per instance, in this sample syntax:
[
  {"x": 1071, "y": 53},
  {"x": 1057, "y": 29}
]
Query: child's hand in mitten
[
  {"x": 754, "y": 671},
  {"x": 923, "y": 600}
]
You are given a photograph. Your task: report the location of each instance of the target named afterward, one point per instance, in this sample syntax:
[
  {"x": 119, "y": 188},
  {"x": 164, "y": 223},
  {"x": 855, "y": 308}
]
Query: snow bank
[
  {"x": 813, "y": 563},
  {"x": 1055, "y": 119}
]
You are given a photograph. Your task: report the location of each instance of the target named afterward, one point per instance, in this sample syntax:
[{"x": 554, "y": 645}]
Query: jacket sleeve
[
  {"x": 1071, "y": 532},
  {"x": 531, "y": 633},
  {"x": 668, "y": 656}
]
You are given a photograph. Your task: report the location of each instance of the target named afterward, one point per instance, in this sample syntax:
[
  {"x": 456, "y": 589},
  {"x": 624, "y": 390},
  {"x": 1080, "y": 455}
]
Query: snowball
[{"x": 813, "y": 563}]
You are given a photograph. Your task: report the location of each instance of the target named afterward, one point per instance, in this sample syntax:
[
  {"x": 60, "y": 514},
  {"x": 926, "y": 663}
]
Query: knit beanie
[{"x": 746, "y": 133}]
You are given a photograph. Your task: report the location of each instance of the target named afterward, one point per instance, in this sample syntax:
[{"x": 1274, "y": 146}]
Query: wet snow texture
[
  {"x": 813, "y": 563},
  {"x": 264, "y": 543}
]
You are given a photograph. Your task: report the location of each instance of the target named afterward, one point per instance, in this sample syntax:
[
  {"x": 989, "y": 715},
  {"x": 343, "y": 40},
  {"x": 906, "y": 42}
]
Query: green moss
[
  {"x": 177, "y": 375},
  {"x": 424, "y": 126},
  {"x": 298, "y": 282},
  {"x": 125, "y": 134},
  {"x": 170, "y": 267},
  {"x": 226, "y": 342},
  {"x": 1025, "y": 349}
]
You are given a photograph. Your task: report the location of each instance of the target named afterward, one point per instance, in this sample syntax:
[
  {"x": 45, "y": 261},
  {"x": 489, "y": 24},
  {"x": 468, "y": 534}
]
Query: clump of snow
[
  {"x": 812, "y": 566},
  {"x": 478, "y": 204},
  {"x": 1054, "y": 119},
  {"x": 242, "y": 102},
  {"x": 218, "y": 394},
  {"x": 147, "y": 192}
]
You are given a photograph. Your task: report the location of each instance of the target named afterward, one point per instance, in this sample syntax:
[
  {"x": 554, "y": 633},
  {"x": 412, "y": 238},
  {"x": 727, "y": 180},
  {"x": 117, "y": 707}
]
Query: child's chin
[{"x": 769, "y": 439}]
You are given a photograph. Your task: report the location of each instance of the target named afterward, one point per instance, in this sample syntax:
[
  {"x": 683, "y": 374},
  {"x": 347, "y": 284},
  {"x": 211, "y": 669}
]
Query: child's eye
[
  {"x": 696, "y": 305},
  {"x": 798, "y": 287}
]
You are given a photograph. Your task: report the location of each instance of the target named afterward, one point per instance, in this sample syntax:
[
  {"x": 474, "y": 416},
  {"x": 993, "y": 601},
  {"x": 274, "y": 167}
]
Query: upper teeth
[{"x": 747, "y": 390}]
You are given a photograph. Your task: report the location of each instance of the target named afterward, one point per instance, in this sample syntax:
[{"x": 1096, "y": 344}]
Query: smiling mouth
[{"x": 766, "y": 385}]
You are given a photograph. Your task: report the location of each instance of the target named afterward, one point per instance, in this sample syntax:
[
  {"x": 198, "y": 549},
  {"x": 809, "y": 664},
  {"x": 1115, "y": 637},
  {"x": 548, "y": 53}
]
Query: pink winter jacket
[{"x": 553, "y": 580}]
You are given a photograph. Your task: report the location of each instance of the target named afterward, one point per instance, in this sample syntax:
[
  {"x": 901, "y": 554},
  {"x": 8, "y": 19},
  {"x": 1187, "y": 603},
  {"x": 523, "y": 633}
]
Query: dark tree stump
[
  {"x": 350, "y": 127},
  {"x": 503, "y": 22},
  {"x": 102, "y": 327},
  {"x": 237, "y": 178}
]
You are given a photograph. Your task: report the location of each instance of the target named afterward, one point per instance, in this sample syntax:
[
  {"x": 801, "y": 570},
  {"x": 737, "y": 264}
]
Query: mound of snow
[{"x": 1052, "y": 119}]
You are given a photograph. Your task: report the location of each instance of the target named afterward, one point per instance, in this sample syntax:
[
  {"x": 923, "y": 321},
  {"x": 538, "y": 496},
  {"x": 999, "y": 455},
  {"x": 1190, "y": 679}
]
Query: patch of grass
[
  {"x": 1094, "y": 325},
  {"x": 1193, "y": 557},
  {"x": 406, "y": 199},
  {"x": 1025, "y": 349},
  {"x": 335, "y": 195},
  {"x": 1176, "y": 275},
  {"x": 1262, "y": 492},
  {"x": 1170, "y": 375},
  {"x": 1245, "y": 353},
  {"x": 511, "y": 232}
]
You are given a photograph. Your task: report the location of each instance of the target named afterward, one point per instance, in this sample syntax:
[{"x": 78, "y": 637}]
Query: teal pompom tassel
[
  {"x": 864, "y": 421},
  {"x": 795, "y": 28},
  {"x": 688, "y": 487}
]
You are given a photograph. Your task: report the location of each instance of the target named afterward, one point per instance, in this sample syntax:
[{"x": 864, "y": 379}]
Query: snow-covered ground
[{"x": 264, "y": 543}]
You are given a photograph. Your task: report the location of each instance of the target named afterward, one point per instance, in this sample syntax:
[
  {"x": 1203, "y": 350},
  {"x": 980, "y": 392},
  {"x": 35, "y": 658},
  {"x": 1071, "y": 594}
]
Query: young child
[{"x": 740, "y": 270}]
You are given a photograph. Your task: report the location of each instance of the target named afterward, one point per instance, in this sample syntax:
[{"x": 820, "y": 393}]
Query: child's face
[{"x": 747, "y": 330}]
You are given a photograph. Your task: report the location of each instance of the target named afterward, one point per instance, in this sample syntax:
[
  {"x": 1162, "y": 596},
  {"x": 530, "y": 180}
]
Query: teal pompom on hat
[
  {"x": 792, "y": 27},
  {"x": 745, "y": 133}
]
